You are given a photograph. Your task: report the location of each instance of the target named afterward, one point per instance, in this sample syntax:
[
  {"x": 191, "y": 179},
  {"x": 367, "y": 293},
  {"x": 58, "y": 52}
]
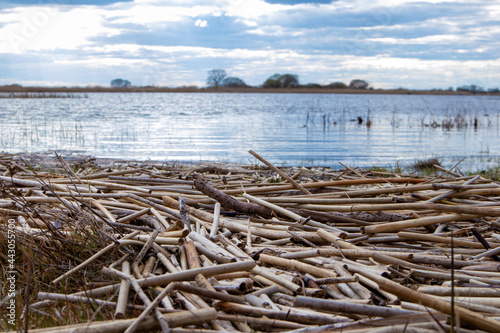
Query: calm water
[{"x": 299, "y": 129}]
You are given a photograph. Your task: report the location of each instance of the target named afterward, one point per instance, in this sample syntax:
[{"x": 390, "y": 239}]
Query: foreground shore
[{"x": 119, "y": 246}]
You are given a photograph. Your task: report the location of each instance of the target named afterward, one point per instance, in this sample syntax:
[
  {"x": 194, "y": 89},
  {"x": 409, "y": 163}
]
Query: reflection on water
[{"x": 299, "y": 129}]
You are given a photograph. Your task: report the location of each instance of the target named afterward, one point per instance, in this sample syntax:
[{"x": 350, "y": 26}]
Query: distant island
[{"x": 219, "y": 82}]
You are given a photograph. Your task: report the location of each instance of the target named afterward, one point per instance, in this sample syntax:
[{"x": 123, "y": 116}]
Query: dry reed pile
[{"x": 207, "y": 248}]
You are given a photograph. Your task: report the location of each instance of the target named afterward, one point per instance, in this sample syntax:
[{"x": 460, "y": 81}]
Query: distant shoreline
[{"x": 15, "y": 89}]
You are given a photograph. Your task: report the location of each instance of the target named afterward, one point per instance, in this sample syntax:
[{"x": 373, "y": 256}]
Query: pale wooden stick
[
  {"x": 190, "y": 274},
  {"x": 260, "y": 322},
  {"x": 265, "y": 272},
  {"x": 162, "y": 240},
  {"x": 133, "y": 216},
  {"x": 160, "y": 218},
  {"x": 488, "y": 253},
  {"x": 115, "y": 185},
  {"x": 183, "y": 258},
  {"x": 144, "y": 298},
  {"x": 148, "y": 267},
  {"x": 103, "y": 209},
  {"x": 167, "y": 263},
  {"x": 460, "y": 277},
  {"x": 460, "y": 291},
  {"x": 230, "y": 247},
  {"x": 249, "y": 235},
  {"x": 149, "y": 308},
  {"x": 438, "y": 239},
  {"x": 142, "y": 253},
  {"x": 50, "y": 297},
  {"x": 123, "y": 294},
  {"x": 278, "y": 187},
  {"x": 440, "y": 168},
  {"x": 292, "y": 314},
  {"x": 475, "y": 210},
  {"x": 413, "y": 223},
  {"x": 293, "y": 215},
  {"x": 297, "y": 266},
  {"x": 31, "y": 183},
  {"x": 94, "y": 257},
  {"x": 322, "y": 201},
  {"x": 209, "y": 244},
  {"x": 385, "y": 259},
  {"x": 150, "y": 324},
  {"x": 351, "y": 308},
  {"x": 435, "y": 303},
  {"x": 257, "y": 301},
  {"x": 447, "y": 194},
  {"x": 218, "y": 257},
  {"x": 361, "y": 291},
  {"x": 215, "y": 224},
  {"x": 334, "y": 280},
  {"x": 173, "y": 234},
  {"x": 274, "y": 207},
  {"x": 281, "y": 173},
  {"x": 352, "y": 170},
  {"x": 336, "y": 240},
  {"x": 372, "y": 284}
]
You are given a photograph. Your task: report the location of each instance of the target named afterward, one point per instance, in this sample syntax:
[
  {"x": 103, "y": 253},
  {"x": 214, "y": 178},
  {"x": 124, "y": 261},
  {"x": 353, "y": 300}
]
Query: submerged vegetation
[{"x": 41, "y": 95}]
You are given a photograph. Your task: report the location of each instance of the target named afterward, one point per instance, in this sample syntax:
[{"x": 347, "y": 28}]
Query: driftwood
[
  {"x": 227, "y": 201},
  {"x": 363, "y": 253}
]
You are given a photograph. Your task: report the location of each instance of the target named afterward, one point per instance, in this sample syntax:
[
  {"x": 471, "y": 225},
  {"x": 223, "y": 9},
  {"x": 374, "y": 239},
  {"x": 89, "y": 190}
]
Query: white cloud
[
  {"x": 200, "y": 23},
  {"x": 49, "y": 28},
  {"x": 427, "y": 40},
  {"x": 252, "y": 9},
  {"x": 151, "y": 15},
  {"x": 104, "y": 62},
  {"x": 35, "y": 83},
  {"x": 248, "y": 23}
]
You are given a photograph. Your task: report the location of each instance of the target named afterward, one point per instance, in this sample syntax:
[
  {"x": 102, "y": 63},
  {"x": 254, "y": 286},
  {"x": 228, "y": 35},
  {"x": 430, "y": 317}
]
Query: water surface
[{"x": 287, "y": 129}]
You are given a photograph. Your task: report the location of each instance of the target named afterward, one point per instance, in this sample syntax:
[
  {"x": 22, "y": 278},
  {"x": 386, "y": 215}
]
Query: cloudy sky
[{"x": 391, "y": 44}]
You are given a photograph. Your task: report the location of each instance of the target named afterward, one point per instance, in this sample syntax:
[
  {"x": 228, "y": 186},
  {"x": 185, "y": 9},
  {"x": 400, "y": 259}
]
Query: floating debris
[{"x": 131, "y": 246}]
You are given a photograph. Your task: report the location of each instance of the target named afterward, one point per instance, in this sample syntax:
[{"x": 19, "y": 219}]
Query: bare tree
[
  {"x": 358, "y": 84},
  {"x": 215, "y": 77}
]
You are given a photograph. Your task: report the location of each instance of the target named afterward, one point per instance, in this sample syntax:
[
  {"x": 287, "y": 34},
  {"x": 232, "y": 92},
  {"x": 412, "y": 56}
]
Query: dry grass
[{"x": 425, "y": 165}]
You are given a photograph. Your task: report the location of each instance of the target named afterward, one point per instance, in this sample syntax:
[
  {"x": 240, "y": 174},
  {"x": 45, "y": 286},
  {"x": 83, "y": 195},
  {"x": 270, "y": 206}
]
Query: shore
[
  {"x": 16, "y": 89},
  {"x": 116, "y": 245}
]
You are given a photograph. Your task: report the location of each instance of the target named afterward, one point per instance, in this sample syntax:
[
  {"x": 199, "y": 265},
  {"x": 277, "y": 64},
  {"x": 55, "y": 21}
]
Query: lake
[{"x": 287, "y": 129}]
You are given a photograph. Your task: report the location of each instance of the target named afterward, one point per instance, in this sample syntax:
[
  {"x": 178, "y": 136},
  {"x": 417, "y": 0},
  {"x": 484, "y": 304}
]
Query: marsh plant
[{"x": 41, "y": 95}]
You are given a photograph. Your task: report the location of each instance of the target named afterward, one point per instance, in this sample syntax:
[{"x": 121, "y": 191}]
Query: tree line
[{"x": 218, "y": 78}]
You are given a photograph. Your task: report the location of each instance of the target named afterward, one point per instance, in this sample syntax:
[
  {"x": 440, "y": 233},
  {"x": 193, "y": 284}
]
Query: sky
[{"x": 390, "y": 44}]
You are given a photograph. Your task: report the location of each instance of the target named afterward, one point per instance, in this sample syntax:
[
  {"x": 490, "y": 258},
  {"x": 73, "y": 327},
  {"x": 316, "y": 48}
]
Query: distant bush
[
  {"x": 313, "y": 86},
  {"x": 282, "y": 81},
  {"x": 120, "y": 83},
  {"x": 337, "y": 85},
  {"x": 233, "y": 82},
  {"x": 472, "y": 89}
]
